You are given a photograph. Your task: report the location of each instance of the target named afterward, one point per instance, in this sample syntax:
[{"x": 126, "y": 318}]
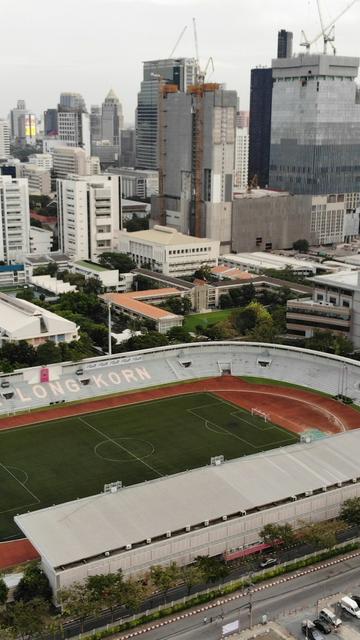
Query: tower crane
[
  {"x": 328, "y": 32},
  {"x": 178, "y": 41}
]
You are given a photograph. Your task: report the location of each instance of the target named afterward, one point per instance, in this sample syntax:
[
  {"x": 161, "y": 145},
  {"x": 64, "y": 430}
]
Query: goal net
[{"x": 260, "y": 414}]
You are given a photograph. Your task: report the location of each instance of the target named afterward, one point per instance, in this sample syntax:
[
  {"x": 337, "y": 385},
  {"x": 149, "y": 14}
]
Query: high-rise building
[
  {"x": 51, "y": 122},
  {"x": 74, "y": 121},
  {"x": 27, "y": 129},
  {"x": 127, "y": 146},
  {"x": 89, "y": 212},
  {"x": 180, "y": 72},
  {"x": 14, "y": 218},
  {"x": 95, "y": 123},
  {"x": 285, "y": 43},
  {"x": 4, "y": 140},
  {"x": 198, "y": 162},
  {"x": 242, "y": 119},
  {"x": 315, "y": 125},
  {"x": 260, "y": 125},
  {"x": 241, "y": 159},
  {"x": 39, "y": 179},
  {"x": 112, "y": 119},
  {"x": 15, "y": 114},
  {"x": 43, "y": 160}
]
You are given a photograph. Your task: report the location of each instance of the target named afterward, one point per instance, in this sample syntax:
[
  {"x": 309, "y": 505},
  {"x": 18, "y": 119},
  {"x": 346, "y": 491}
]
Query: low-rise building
[
  {"x": 110, "y": 279},
  {"x": 43, "y": 160},
  {"x": 74, "y": 160},
  {"x": 133, "y": 306},
  {"x": 166, "y": 250},
  {"x": 23, "y": 320},
  {"x": 41, "y": 241},
  {"x": 257, "y": 261},
  {"x": 12, "y": 275},
  {"x": 334, "y": 306}
]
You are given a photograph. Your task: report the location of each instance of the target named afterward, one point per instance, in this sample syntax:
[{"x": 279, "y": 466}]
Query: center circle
[{"x": 124, "y": 450}]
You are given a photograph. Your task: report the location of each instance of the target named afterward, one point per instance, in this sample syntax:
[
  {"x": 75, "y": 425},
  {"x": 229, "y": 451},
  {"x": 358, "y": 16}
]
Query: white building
[
  {"x": 166, "y": 250},
  {"x": 241, "y": 159},
  {"x": 43, "y": 160},
  {"x": 89, "y": 213},
  {"x": 110, "y": 279},
  {"x": 41, "y": 241},
  {"x": 74, "y": 160},
  {"x": 74, "y": 129},
  {"x": 136, "y": 182},
  {"x": 14, "y": 218},
  {"x": 22, "y": 320},
  {"x": 4, "y": 140},
  {"x": 39, "y": 179}
]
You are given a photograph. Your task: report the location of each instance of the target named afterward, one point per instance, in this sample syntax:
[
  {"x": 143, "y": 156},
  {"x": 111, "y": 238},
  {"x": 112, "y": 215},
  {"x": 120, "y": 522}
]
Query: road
[{"x": 300, "y": 593}]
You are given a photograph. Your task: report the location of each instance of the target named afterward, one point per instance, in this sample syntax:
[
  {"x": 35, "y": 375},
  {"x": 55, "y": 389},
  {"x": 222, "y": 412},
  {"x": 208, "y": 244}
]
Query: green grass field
[
  {"x": 206, "y": 319},
  {"x": 61, "y": 460}
]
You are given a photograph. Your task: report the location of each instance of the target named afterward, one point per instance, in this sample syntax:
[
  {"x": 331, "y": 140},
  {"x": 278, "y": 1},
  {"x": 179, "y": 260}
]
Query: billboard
[{"x": 231, "y": 627}]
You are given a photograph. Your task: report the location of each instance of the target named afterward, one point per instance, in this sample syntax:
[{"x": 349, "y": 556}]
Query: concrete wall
[{"x": 279, "y": 220}]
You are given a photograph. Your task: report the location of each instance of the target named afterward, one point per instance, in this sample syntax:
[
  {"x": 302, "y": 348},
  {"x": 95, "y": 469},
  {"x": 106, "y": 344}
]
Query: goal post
[{"x": 260, "y": 414}]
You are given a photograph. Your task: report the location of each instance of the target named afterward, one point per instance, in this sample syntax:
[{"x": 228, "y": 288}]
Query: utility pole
[
  {"x": 250, "y": 610},
  {"x": 109, "y": 329}
]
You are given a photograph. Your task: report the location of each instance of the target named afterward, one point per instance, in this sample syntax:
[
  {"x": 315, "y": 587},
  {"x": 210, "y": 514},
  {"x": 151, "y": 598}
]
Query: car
[
  {"x": 268, "y": 562},
  {"x": 315, "y": 634},
  {"x": 330, "y": 617},
  {"x": 356, "y": 599},
  {"x": 323, "y": 626},
  {"x": 79, "y": 371},
  {"x": 5, "y": 384}
]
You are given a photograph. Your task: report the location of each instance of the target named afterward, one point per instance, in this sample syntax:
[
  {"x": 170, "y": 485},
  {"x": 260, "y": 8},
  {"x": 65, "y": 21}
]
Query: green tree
[
  {"x": 178, "y": 334},
  {"x": 342, "y": 345},
  {"x": 108, "y": 589},
  {"x": 29, "y": 619},
  {"x": 7, "y": 634},
  {"x": 26, "y": 294},
  {"x": 179, "y": 306},
  {"x": 301, "y": 245},
  {"x": 146, "y": 341},
  {"x": 49, "y": 269},
  {"x": 3, "y": 592},
  {"x": 204, "y": 273},
  {"x": 321, "y": 534},
  {"x": 191, "y": 575},
  {"x": 47, "y": 353},
  {"x": 78, "y": 601},
  {"x": 330, "y": 343},
  {"x": 120, "y": 261},
  {"x": 33, "y": 584},
  {"x": 350, "y": 511},
  {"x": 275, "y": 534},
  {"x": 134, "y": 594},
  {"x": 137, "y": 223},
  {"x": 164, "y": 577},
  {"x": 212, "y": 569},
  {"x": 244, "y": 320}
]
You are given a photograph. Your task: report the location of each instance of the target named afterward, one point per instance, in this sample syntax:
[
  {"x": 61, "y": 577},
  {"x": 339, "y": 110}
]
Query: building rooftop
[
  {"x": 128, "y": 303},
  {"x": 166, "y": 236},
  {"x": 153, "y": 293},
  {"x": 264, "y": 260},
  {"x": 89, "y": 527},
  {"x": 24, "y": 320},
  {"x": 92, "y": 266},
  {"x": 345, "y": 279}
]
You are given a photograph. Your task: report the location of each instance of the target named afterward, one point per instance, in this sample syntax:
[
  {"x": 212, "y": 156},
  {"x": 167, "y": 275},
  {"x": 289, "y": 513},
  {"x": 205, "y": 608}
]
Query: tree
[
  {"x": 33, "y": 584},
  {"x": 204, "y": 273},
  {"x": 212, "y": 569},
  {"x": 321, "y": 534},
  {"x": 134, "y": 594},
  {"x": 108, "y": 589},
  {"x": 7, "y": 634},
  {"x": 3, "y": 591},
  {"x": 78, "y": 601},
  {"x": 120, "y": 261},
  {"x": 49, "y": 269},
  {"x": 191, "y": 575},
  {"x": 301, "y": 245},
  {"x": 178, "y": 334},
  {"x": 137, "y": 223},
  {"x": 244, "y": 320},
  {"x": 47, "y": 353},
  {"x": 147, "y": 341},
  {"x": 350, "y": 511},
  {"x": 275, "y": 534},
  {"x": 28, "y": 619},
  {"x": 179, "y": 306},
  {"x": 330, "y": 343},
  {"x": 26, "y": 294},
  {"x": 164, "y": 577}
]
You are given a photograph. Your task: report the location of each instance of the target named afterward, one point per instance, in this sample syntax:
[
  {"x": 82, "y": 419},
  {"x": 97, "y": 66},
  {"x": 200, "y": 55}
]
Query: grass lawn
[
  {"x": 61, "y": 460},
  {"x": 206, "y": 319}
]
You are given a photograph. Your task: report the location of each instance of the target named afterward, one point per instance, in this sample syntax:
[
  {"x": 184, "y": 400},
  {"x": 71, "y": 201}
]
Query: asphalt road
[{"x": 275, "y": 601}]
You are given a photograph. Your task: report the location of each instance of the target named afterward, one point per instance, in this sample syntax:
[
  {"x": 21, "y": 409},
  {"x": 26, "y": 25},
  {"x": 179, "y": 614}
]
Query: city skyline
[{"x": 104, "y": 46}]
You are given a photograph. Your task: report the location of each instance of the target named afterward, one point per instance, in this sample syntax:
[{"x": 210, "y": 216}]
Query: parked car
[
  {"x": 323, "y": 626},
  {"x": 330, "y": 617},
  {"x": 79, "y": 371},
  {"x": 5, "y": 384},
  {"x": 310, "y": 631},
  {"x": 349, "y": 605},
  {"x": 356, "y": 599},
  {"x": 268, "y": 562}
]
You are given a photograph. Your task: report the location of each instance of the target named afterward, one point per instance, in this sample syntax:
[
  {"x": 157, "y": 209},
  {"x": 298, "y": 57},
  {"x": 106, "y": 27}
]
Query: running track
[{"x": 294, "y": 409}]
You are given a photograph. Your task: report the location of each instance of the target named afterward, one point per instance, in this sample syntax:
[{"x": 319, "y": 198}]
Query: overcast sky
[{"x": 90, "y": 46}]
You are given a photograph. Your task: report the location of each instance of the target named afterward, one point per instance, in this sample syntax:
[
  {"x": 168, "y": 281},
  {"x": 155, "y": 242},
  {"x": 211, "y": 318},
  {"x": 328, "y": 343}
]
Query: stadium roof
[{"x": 71, "y": 532}]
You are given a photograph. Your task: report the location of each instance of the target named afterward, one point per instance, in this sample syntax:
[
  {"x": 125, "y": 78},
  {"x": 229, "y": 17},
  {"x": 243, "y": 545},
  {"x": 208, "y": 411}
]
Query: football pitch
[{"x": 60, "y": 460}]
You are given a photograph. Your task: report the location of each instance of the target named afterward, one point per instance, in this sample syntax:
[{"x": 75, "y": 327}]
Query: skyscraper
[
  {"x": 180, "y": 72},
  {"x": 95, "y": 123},
  {"x": 15, "y": 115},
  {"x": 4, "y": 140},
  {"x": 260, "y": 124},
  {"x": 74, "y": 121},
  {"x": 315, "y": 128},
  {"x": 198, "y": 158},
  {"x": 285, "y": 40},
  {"x": 112, "y": 119},
  {"x": 50, "y": 122},
  {"x": 14, "y": 218}
]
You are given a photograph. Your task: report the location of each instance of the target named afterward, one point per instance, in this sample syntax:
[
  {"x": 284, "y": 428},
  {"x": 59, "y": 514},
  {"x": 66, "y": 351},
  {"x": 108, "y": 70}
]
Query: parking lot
[{"x": 348, "y": 630}]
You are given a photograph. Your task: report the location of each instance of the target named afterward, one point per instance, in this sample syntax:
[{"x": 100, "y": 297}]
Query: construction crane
[
  {"x": 328, "y": 32},
  {"x": 178, "y": 41}
]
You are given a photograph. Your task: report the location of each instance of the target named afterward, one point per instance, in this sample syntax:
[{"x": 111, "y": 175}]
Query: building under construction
[{"x": 196, "y": 160}]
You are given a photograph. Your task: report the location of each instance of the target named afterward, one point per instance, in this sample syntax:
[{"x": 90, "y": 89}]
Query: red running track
[{"x": 293, "y": 409}]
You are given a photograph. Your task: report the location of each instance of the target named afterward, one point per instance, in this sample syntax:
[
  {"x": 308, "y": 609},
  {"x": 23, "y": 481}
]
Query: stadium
[{"x": 170, "y": 453}]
